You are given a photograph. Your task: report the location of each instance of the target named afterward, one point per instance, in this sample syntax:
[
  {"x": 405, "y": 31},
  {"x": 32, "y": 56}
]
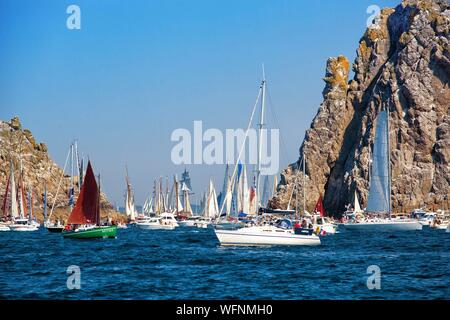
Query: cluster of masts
[
  {"x": 236, "y": 197},
  {"x": 161, "y": 199}
]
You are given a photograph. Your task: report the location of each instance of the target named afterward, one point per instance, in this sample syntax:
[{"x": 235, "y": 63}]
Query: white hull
[
  {"x": 188, "y": 223},
  {"x": 154, "y": 226},
  {"x": 4, "y": 228},
  {"x": 21, "y": 227},
  {"x": 440, "y": 227},
  {"x": 384, "y": 225},
  {"x": 264, "y": 236},
  {"x": 328, "y": 228},
  {"x": 202, "y": 224}
]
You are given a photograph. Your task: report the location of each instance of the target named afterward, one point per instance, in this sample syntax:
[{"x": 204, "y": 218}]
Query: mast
[
  {"x": 45, "y": 202},
  {"x": 175, "y": 183},
  {"x": 389, "y": 159},
  {"x": 304, "y": 180},
  {"x": 98, "y": 203},
  {"x": 260, "y": 128}
]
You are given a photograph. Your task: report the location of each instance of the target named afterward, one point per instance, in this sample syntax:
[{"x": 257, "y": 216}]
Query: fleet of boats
[{"x": 239, "y": 215}]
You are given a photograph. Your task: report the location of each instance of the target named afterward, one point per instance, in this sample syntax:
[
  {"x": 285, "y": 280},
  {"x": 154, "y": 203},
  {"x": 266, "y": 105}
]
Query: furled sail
[
  {"x": 379, "y": 193},
  {"x": 86, "y": 210}
]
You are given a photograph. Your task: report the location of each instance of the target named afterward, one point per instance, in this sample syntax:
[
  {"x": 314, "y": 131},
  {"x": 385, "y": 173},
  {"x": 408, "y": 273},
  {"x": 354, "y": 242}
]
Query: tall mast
[
  {"x": 260, "y": 128},
  {"x": 45, "y": 202},
  {"x": 389, "y": 160},
  {"x": 304, "y": 180},
  {"x": 98, "y": 202},
  {"x": 175, "y": 185},
  {"x": 72, "y": 191}
]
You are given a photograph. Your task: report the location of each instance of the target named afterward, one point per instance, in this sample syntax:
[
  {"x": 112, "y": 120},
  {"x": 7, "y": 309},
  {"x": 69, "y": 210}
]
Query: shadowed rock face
[
  {"x": 403, "y": 63},
  {"x": 20, "y": 146}
]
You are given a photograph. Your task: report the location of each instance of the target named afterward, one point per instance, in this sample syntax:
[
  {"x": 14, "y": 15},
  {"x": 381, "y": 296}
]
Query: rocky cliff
[
  {"x": 403, "y": 63},
  {"x": 19, "y": 145}
]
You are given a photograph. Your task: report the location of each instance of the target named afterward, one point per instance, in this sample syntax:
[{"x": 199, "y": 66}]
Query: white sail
[
  {"x": 12, "y": 186},
  {"x": 179, "y": 205},
  {"x": 226, "y": 183},
  {"x": 379, "y": 193},
  {"x": 266, "y": 192},
  {"x": 228, "y": 198},
  {"x": 212, "y": 207},
  {"x": 129, "y": 204},
  {"x": 187, "y": 203},
  {"x": 20, "y": 194},
  {"x": 356, "y": 206},
  {"x": 275, "y": 185}
]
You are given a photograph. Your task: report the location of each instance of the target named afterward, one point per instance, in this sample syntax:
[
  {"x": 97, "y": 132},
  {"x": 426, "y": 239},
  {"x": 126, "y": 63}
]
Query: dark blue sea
[{"x": 190, "y": 264}]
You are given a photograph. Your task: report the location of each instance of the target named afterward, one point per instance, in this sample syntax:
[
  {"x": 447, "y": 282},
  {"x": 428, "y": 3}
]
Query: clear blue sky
[{"x": 137, "y": 70}]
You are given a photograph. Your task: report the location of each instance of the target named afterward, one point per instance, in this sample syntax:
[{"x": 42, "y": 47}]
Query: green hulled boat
[
  {"x": 90, "y": 233},
  {"x": 84, "y": 220}
]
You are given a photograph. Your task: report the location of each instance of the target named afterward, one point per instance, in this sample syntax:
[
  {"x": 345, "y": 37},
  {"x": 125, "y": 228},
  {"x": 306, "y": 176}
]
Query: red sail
[
  {"x": 319, "y": 207},
  {"x": 86, "y": 208}
]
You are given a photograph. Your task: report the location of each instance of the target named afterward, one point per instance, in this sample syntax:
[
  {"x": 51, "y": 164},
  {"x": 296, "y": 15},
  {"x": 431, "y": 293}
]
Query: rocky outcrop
[
  {"x": 19, "y": 146},
  {"x": 403, "y": 63}
]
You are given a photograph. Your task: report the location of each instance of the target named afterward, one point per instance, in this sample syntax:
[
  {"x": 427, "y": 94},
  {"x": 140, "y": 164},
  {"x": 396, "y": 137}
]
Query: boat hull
[
  {"x": 55, "y": 229},
  {"x": 23, "y": 228},
  {"x": 151, "y": 226},
  {"x": 95, "y": 233},
  {"x": 187, "y": 223},
  {"x": 384, "y": 226},
  {"x": 243, "y": 237}
]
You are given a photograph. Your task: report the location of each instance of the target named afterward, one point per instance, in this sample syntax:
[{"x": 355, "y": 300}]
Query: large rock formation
[
  {"x": 20, "y": 146},
  {"x": 403, "y": 63}
]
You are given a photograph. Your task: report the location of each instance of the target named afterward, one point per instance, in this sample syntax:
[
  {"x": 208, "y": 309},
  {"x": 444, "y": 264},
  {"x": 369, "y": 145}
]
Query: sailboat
[
  {"x": 164, "y": 220},
  {"x": 378, "y": 211},
  {"x": 84, "y": 220},
  {"x": 130, "y": 209},
  {"x": 58, "y": 226},
  {"x": 261, "y": 234},
  {"x": 19, "y": 221},
  {"x": 210, "y": 207},
  {"x": 321, "y": 223}
]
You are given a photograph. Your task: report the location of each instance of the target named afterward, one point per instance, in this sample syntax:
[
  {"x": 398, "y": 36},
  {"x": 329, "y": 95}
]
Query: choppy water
[{"x": 189, "y": 264}]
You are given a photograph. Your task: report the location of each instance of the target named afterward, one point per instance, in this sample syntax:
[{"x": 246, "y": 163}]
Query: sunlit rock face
[
  {"x": 19, "y": 146},
  {"x": 403, "y": 63}
]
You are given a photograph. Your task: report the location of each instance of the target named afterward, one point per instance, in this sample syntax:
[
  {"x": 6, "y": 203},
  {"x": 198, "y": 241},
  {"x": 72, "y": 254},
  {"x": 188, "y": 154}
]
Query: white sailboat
[
  {"x": 57, "y": 226},
  {"x": 21, "y": 223},
  {"x": 378, "y": 211},
  {"x": 163, "y": 220},
  {"x": 130, "y": 208},
  {"x": 261, "y": 234}
]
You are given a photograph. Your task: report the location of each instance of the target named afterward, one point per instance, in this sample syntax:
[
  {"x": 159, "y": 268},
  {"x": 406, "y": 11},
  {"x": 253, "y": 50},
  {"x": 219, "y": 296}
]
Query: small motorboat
[{"x": 166, "y": 221}]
